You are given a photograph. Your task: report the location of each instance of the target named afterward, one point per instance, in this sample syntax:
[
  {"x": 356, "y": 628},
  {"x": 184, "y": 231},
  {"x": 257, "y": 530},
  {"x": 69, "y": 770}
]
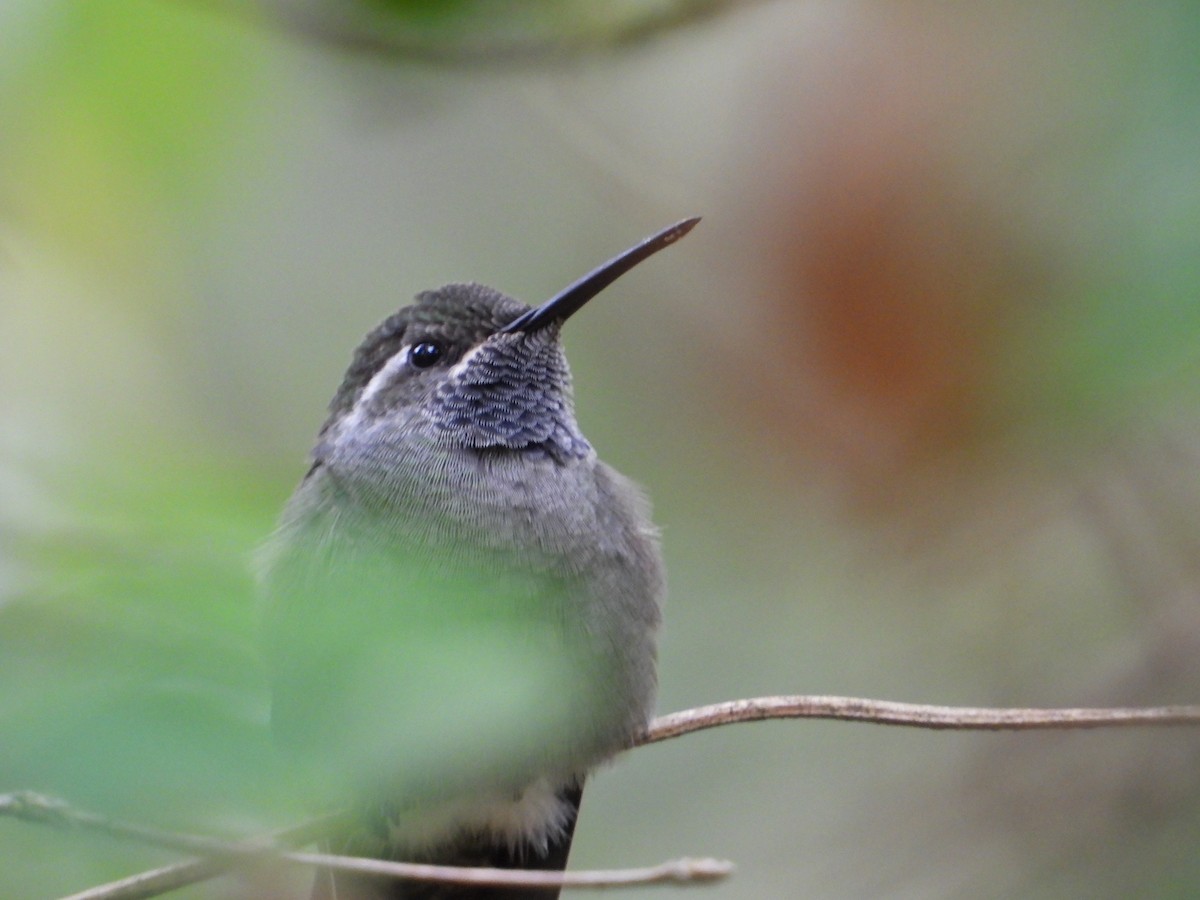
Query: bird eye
[{"x": 425, "y": 354}]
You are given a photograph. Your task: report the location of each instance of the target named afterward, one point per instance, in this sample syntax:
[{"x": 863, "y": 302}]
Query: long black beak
[{"x": 567, "y": 302}]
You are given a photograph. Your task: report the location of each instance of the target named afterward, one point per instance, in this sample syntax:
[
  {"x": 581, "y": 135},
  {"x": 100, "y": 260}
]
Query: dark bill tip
[{"x": 570, "y": 300}]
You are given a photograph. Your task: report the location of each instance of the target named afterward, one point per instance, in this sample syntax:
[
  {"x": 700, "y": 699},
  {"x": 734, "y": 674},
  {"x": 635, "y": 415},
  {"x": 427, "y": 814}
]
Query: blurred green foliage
[
  {"x": 478, "y": 30},
  {"x": 130, "y": 668},
  {"x": 391, "y": 668},
  {"x": 133, "y": 684},
  {"x": 122, "y": 121}
]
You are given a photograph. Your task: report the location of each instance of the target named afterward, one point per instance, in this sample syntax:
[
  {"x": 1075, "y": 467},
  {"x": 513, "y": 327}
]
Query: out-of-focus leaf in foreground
[
  {"x": 122, "y": 115},
  {"x": 415, "y": 674},
  {"x": 477, "y": 30},
  {"x": 130, "y": 680}
]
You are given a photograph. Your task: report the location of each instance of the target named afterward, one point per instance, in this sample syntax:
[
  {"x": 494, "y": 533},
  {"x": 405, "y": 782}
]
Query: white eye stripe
[
  {"x": 380, "y": 379},
  {"x": 387, "y": 372},
  {"x": 378, "y": 382}
]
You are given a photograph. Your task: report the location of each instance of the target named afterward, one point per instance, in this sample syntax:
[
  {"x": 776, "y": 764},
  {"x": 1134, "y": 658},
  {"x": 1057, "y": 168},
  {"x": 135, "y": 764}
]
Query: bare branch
[
  {"x": 156, "y": 882},
  {"x": 914, "y": 715},
  {"x": 220, "y": 857},
  {"x": 30, "y": 807},
  {"x": 679, "y": 871}
]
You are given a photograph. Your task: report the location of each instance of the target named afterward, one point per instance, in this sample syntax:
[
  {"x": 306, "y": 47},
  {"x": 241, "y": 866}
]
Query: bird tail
[{"x": 467, "y": 850}]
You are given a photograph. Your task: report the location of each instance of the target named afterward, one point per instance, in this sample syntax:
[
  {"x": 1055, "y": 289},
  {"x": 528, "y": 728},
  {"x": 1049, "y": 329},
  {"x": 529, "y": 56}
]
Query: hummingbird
[{"x": 450, "y": 475}]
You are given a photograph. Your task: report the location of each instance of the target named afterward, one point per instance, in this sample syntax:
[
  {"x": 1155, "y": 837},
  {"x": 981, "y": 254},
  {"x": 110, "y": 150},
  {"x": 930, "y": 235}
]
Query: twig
[
  {"x": 220, "y": 857},
  {"x": 677, "y": 871},
  {"x": 156, "y": 882},
  {"x": 914, "y": 715},
  {"x": 31, "y": 807}
]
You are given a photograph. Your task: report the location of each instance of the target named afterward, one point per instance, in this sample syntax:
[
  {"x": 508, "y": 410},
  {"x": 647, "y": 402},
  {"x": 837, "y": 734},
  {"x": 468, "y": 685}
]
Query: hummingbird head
[
  {"x": 475, "y": 368},
  {"x": 447, "y": 367}
]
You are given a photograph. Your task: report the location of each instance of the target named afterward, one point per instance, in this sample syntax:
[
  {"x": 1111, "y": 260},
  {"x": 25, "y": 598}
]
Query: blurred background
[{"x": 916, "y": 403}]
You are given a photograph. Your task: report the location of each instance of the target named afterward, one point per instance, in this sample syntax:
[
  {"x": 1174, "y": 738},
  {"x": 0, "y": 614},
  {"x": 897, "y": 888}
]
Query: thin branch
[
  {"x": 171, "y": 877},
  {"x": 220, "y": 857},
  {"x": 30, "y": 807},
  {"x": 155, "y": 882},
  {"x": 914, "y": 715},
  {"x": 677, "y": 871}
]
